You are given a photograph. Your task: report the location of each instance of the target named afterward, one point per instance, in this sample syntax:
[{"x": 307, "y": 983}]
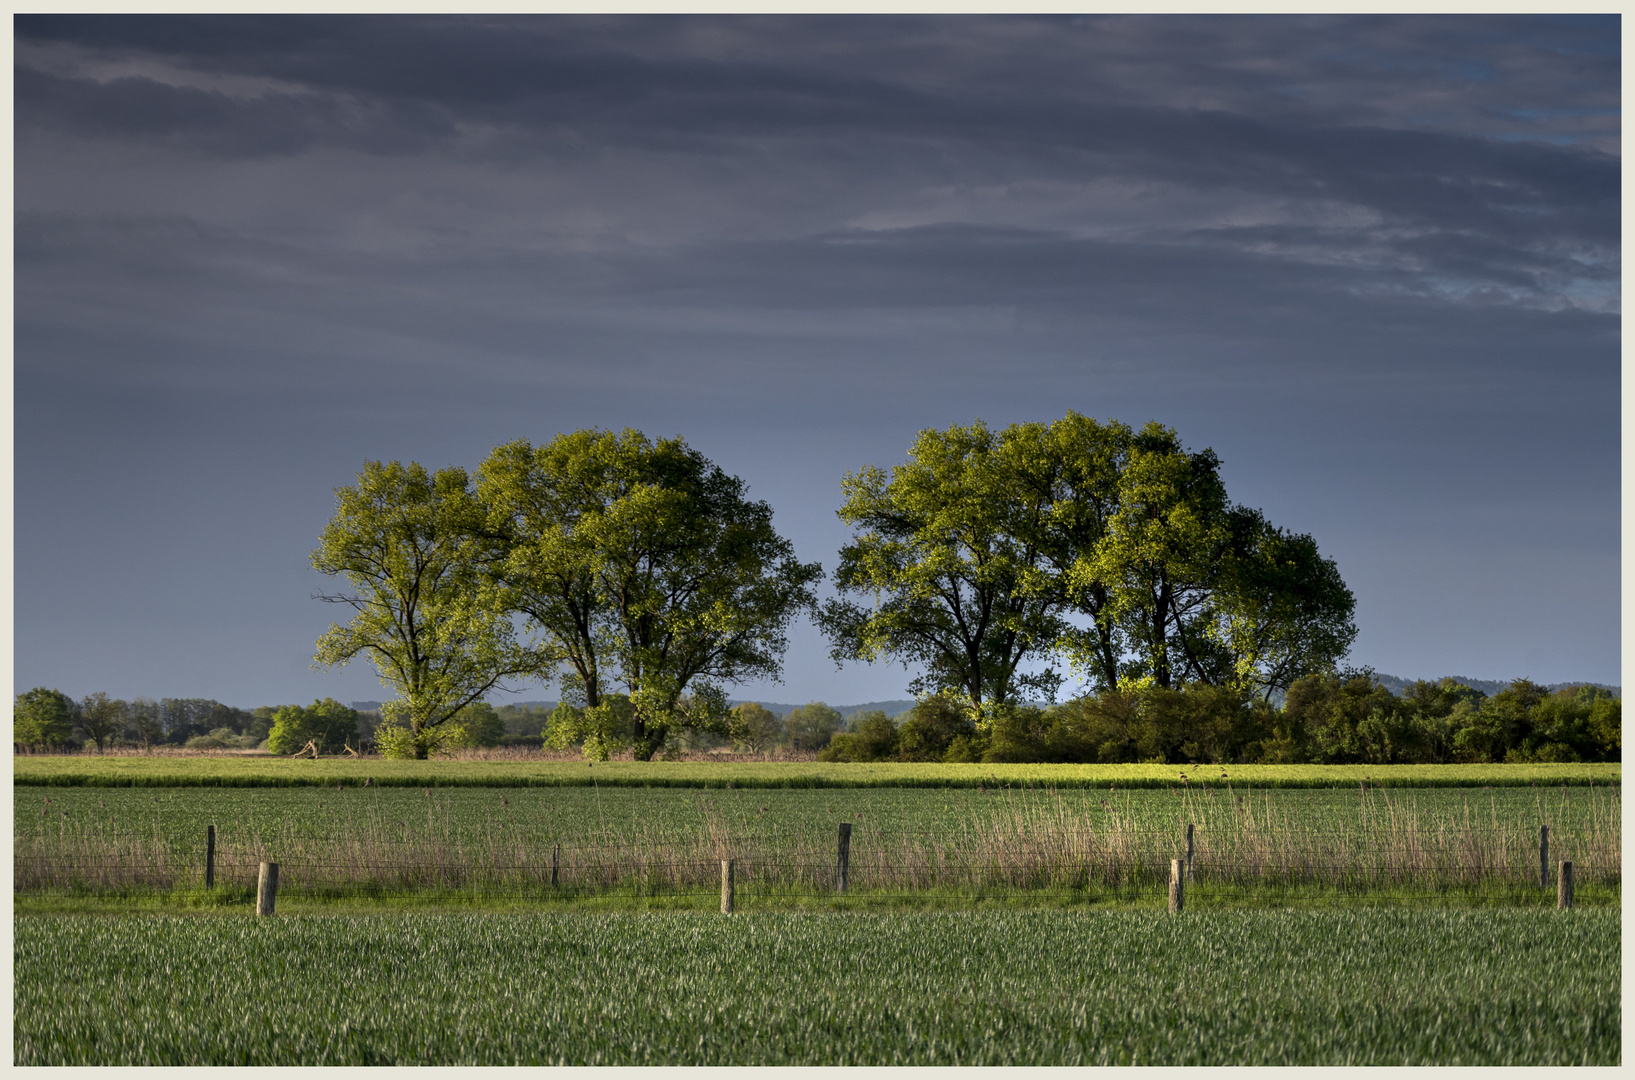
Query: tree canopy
[
  {"x": 642, "y": 564},
  {"x": 42, "y": 717},
  {"x": 947, "y": 553},
  {"x": 413, "y": 547},
  {"x": 1115, "y": 548},
  {"x": 328, "y": 723}
]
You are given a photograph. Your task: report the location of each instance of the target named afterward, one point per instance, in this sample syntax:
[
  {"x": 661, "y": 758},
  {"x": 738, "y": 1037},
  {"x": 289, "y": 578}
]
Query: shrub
[
  {"x": 328, "y": 723},
  {"x": 873, "y": 737},
  {"x": 931, "y": 727},
  {"x": 223, "y": 738}
]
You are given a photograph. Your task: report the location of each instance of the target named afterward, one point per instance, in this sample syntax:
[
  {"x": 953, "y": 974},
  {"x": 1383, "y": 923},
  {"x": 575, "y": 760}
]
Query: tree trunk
[{"x": 1160, "y": 624}]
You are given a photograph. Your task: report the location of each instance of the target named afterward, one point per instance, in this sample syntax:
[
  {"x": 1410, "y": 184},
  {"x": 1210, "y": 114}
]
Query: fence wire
[{"x": 1042, "y": 868}]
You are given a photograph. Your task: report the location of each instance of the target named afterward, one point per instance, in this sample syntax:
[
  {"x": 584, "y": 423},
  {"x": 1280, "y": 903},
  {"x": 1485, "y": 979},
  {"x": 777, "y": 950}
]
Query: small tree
[
  {"x": 145, "y": 724},
  {"x": 753, "y": 727},
  {"x": 811, "y": 726},
  {"x": 102, "y": 718},
  {"x": 42, "y": 717},
  {"x": 328, "y": 723}
]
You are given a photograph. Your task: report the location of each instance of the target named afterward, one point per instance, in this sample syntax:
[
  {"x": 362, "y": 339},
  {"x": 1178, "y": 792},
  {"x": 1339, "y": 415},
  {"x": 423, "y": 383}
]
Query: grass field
[
  {"x": 238, "y": 771},
  {"x": 1045, "y": 988},
  {"x": 668, "y": 841}
]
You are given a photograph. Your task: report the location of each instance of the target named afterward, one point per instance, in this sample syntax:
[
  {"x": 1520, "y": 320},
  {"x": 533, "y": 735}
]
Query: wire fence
[{"x": 1075, "y": 863}]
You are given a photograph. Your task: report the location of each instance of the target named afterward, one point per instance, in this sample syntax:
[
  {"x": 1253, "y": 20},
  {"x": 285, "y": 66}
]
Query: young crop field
[
  {"x": 660, "y": 843},
  {"x": 523, "y": 771},
  {"x": 1375, "y": 987}
]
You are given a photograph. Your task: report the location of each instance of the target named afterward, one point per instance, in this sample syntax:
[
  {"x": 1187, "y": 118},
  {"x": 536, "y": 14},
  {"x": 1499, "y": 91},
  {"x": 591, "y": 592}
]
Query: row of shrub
[{"x": 1325, "y": 719}]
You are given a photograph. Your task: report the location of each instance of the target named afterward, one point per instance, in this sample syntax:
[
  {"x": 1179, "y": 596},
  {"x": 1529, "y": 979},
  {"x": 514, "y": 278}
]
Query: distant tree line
[
  {"x": 1325, "y": 719},
  {"x": 47, "y": 719},
  {"x": 641, "y": 577}
]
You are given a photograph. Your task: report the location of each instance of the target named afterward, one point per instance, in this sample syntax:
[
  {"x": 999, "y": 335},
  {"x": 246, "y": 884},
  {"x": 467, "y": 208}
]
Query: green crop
[
  {"x": 143, "y": 771},
  {"x": 1437, "y": 987}
]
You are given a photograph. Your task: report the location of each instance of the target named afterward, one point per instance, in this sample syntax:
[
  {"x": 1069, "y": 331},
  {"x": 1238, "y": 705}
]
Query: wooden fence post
[
  {"x": 266, "y": 889},
  {"x": 1177, "y": 897},
  {"x": 556, "y": 863},
  {"x": 726, "y": 887},
  {"x": 210, "y": 856},
  {"x": 1564, "y": 886},
  {"x": 1189, "y": 852},
  {"x": 843, "y": 859},
  {"x": 1544, "y": 856}
]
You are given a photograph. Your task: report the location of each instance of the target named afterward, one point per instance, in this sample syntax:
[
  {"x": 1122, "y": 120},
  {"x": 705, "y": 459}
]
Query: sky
[{"x": 1372, "y": 262}]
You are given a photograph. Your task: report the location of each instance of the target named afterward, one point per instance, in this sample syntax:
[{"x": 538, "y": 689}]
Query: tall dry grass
[{"x": 1052, "y": 840}]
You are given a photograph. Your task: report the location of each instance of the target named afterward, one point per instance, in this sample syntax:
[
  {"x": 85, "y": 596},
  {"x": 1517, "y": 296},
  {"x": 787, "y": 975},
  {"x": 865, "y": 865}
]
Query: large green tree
[
  {"x": 1204, "y": 591},
  {"x": 1071, "y": 469},
  {"x": 1116, "y": 547},
  {"x": 644, "y": 564},
  {"x": 948, "y": 570},
  {"x": 413, "y": 546},
  {"x": 42, "y": 717}
]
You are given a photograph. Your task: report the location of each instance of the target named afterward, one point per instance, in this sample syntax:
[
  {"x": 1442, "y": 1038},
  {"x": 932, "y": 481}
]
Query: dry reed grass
[{"x": 1050, "y": 842}]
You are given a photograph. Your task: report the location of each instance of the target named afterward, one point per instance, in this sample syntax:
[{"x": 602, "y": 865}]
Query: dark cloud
[{"x": 1373, "y": 261}]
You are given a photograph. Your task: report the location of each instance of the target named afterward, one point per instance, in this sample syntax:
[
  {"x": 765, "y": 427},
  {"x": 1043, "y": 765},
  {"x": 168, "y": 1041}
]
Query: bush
[
  {"x": 328, "y": 723},
  {"x": 931, "y": 728},
  {"x": 223, "y": 738},
  {"x": 873, "y": 737},
  {"x": 473, "y": 726}
]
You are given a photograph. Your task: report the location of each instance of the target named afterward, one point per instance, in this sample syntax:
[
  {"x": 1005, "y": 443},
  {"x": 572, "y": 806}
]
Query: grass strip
[{"x": 84, "y": 771}]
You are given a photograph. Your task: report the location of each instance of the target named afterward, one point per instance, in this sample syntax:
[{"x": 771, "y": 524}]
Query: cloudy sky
[{"x": 1372, "y": 262}]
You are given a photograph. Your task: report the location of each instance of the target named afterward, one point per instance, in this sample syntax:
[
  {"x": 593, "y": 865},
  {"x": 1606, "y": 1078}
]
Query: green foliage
[
  {"x": 327, "y": 722},
  {"x": 102, "y": 718},
  {"x": 753, "y": 727},
  {"x": 943, "y": 552},
  {"x": 42, "y": 717},
  {"x": 222, "y": 738},
  {"x": 524, "y": 719},
  {"x": 145, "y": 724},
  {"x": 478, "y": 724},
  {"x": 1334, "y": 719},
  {"x": 1113, "y": 547},
  {"x": 871, "y": 736},
  {"x": 930, "y": 728},
  {"x": 811, "y": 726},
  {"x": 645, "y": 563},
  {"x": 412, "y": 546},
  {"x": 601, "y": 730},
  {"x": 1246, "y": 988}
]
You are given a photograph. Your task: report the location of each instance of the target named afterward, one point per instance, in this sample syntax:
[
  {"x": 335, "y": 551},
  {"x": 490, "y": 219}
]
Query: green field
[
  {"x": 245, "y": 771},
  {"x": 1041, "y": 988},
  {"x": 666, "y": 843},
  {"x": 756, "y": 817}
]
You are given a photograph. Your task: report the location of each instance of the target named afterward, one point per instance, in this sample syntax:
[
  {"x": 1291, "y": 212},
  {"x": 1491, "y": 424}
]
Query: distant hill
[
  {"x": 890, "y": 708},
  {"x": 1396, "y": 684}
]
